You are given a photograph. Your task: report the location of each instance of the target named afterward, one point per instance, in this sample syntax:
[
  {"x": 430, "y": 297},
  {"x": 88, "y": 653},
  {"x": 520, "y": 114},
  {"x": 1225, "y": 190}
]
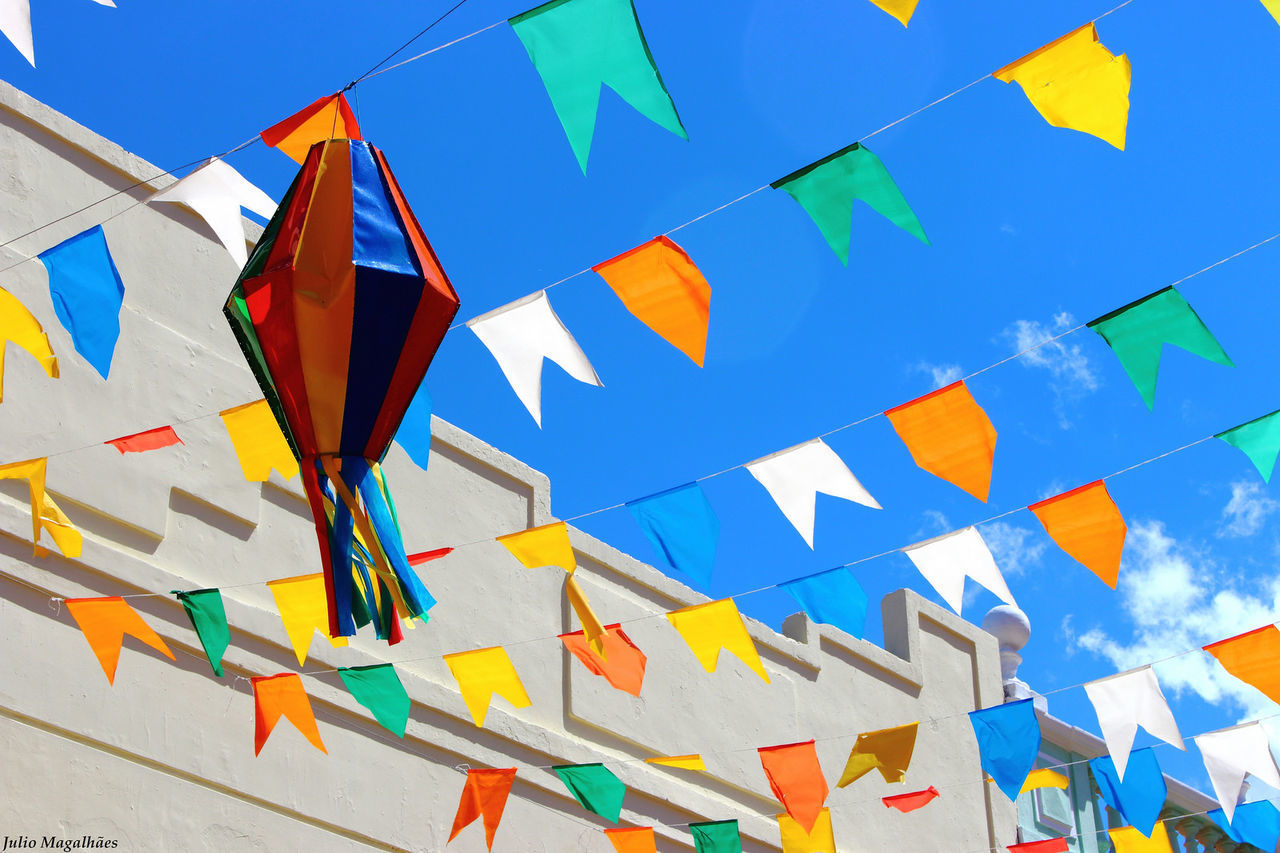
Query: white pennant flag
[
  {"x": 947, "y": 560},
  {"x": 520, "y": 335},
  {"x": 795, "y": 476},
  {"x": 216, "y": 192},
  {"x": 15, "y": 23},
  {"x": 1128, "y": 700},
  {"x": 1230, "y": 755}
]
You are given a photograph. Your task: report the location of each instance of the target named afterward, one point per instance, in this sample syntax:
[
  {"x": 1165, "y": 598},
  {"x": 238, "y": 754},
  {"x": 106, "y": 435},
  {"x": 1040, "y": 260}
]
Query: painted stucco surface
[{"x": 164, "y": 759}]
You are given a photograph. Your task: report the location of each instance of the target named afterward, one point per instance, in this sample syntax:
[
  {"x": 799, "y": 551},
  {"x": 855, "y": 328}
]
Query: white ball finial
[{"x": 1009, "y": 626}]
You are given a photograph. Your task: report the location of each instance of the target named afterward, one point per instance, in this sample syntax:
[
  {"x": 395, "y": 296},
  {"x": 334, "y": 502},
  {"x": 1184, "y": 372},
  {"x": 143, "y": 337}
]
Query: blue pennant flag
[
  {"x": 1256, "y": 823},
  {"x": 682, "y": 527},
  {"x": 1008, "y": 743},
  {"x": 1140, "y": 796},
  {"x": 87, "y": 294},
  {"x": 833, "y": 598},
  {"x": 414, "y": 434}
]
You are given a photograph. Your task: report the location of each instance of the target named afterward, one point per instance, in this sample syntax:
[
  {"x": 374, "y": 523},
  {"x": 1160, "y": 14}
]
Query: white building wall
[{"x": 164, "y": 759}]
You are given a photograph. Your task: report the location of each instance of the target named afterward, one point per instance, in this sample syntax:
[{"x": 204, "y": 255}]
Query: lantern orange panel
[
  {"x": 1086, "y": 523},
  {"x": 950, "y": 436},
  {"x": 1254, "y": 658}
]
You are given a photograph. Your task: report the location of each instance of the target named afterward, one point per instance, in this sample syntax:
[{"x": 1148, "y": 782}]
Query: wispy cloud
[
  {"x": 1248, "y": 509},
  {"x": 1072, "y": 375},
  {"x": 941, "y": 374},
  {"x": 1015, "y": 548}
]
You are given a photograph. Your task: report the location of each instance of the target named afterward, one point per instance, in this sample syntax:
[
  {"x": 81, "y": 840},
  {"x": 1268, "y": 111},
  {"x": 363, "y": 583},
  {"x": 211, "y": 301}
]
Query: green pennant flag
[
  {"x": 595, "y": 787},
  {"x": 204, "y": 609},
  {"x": 1138, "y": 332},
  {"x": 378, "y": 688},
  {"x": 579, "y": 45},
  {"x": 717, "y": 836},
  {"x": 827, "y": 189},
  {"x": 1259, "y": 439}
]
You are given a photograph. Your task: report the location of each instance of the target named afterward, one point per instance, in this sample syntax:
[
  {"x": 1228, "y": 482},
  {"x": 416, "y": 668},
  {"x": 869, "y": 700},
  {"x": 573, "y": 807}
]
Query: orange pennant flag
[
  {"x": 104, "y": 622},
  {"x": 328, "y": 118},
  {"x": 1086, "y": 523},
  {"x": 280, "y": 695},
  {"x": 633, "y": 839},
  {"x": 795, "y": 777},
  {"x": 663, "y": 288},
  {"x": 484, "y": 795},
  {"x": 950, "y": 436},
  {"x": 1254, "y": 658},
  {"x": 622, "y": 664},
  {"x": 141, "y": 442}
]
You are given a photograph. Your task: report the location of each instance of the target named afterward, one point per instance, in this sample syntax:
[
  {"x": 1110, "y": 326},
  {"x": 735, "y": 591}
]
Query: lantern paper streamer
[
  {"x": 820, "y": 839},
  {"x": 716, "y": 836},
  {"x": 547, "y": 545},
  {"x": 795, "y": 778},
  {"x": 482, "y": 673},
  {"x": 949, "y": 435},
  {"x": 1230, "y": 755},
  {"x": 216, "y": 192},
  {"x": 339, "y": 312},
  {"x": 1008, "y": 741},
  {"x": 886, "y": 750},
  {"x": 1140, "y": 797},
  {"x": 329, "y": 117},
  {"x": 828, "y": 188},
  {"x": 577, "y": 46},
  {"x": 1256, "y": 823},
  {"x": 484, "y": 795},
  {"x": 301, "y": 603},
  {"x": 209, "y": 620},
  {"x": 1076, "y": 82},
  {"x": 1044, "y": 778},
  {"x": 19, "y": 326},
  {"x": 632, "y": 839},
  {"x": 15, "y": 23},
  {"x": 947, "y": 560},
  {"x": 794, "y": 477},
  {"x": 379, "y": 689},
  {"x": 1128, "y": 700},
  {"x": 1129, "y": 840},
  {"x": 900, "y": 9},
  {"x": 1138, "y": 332},
  {"x": 46, "y": 515},
  {"x": 662, "y": 287},
  {"x": 260, "y": 445},
  {"x": 591, "y": 626},
  {"x": 1258, "y": 439},
  {"x": 682, "y": 527},
  {"x": 523, "y": 333},
  {"x": 910, "y": 802},
  {"x": 414, "y": 432},
  {"x": 87, "y": 295},
  {"x": 622, "y": 664},
  {"x": 713, "y": 626},
  {"x": 104, "y": 623},
  {"x": 276, "y": 696},
  {"x": 833, "y": 597},
  {"x": 141, "y": 442},
  {"x": 594, "y": 787},
  {"x": 1049, "y": 845},
  {"x": 1086, "y": 523},
  {"x": 681, "y": 762},
  {"x": 1254, "y": 658}
]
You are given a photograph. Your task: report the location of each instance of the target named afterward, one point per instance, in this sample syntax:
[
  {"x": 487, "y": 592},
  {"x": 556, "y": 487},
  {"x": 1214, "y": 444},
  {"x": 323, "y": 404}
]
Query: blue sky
[{"x": 1034, "y": 229}]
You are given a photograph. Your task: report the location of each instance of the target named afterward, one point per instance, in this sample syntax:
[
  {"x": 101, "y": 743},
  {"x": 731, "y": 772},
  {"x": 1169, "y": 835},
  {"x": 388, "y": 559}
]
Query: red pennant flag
[
  {"x": 910, "y": 802},
  {"x": 484, "y": 794},
  {"x": 141, "y": 442},
  {"x": 428, "y": 556},
  {"x": 104, "y": 622},
  {"x": 276, "y": 696},
  {"x": 795, "y": 776},
  {"x": 1051, "y": 845},
  {"x": 622, "y": 665}
]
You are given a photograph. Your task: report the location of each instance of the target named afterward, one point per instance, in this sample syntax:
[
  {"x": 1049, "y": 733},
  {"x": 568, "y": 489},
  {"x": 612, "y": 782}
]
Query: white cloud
[
  {"x": 1015, "y": 548},
  {"x": 1178, "y": 599},
  {"x": 941, "y": 374},
  {"x": 1247, "y": 511},
  {"x": 1072, "y": 375}
]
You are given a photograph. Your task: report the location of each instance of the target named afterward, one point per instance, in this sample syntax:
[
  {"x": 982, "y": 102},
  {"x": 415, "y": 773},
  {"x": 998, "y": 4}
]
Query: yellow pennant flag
[
  {"x": 900, "y": 9},
  {"x": 104, "y": 622},
  {"x": 20, "y": 326},
  {"x": 45, "y": 514},
  {"x": 547, "y": 545},
  {"x": 591, "y": 626},
  {"x": 795, "y": 840},
  {"x": 1044, "y": 778},
  {"x": 482, "y": 673},
  {"x": 1076, "y": 82},
  {"x": 713, "y": 626},
  {"x": 259, "y": 442},
  {"x": 1273, "y": 6},
  {"x": 1129, "y": 840},
  {"x": 886, "y": 750},
  {"x": 681, "y": 762},
  {"x": 304, "y": 609}
]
